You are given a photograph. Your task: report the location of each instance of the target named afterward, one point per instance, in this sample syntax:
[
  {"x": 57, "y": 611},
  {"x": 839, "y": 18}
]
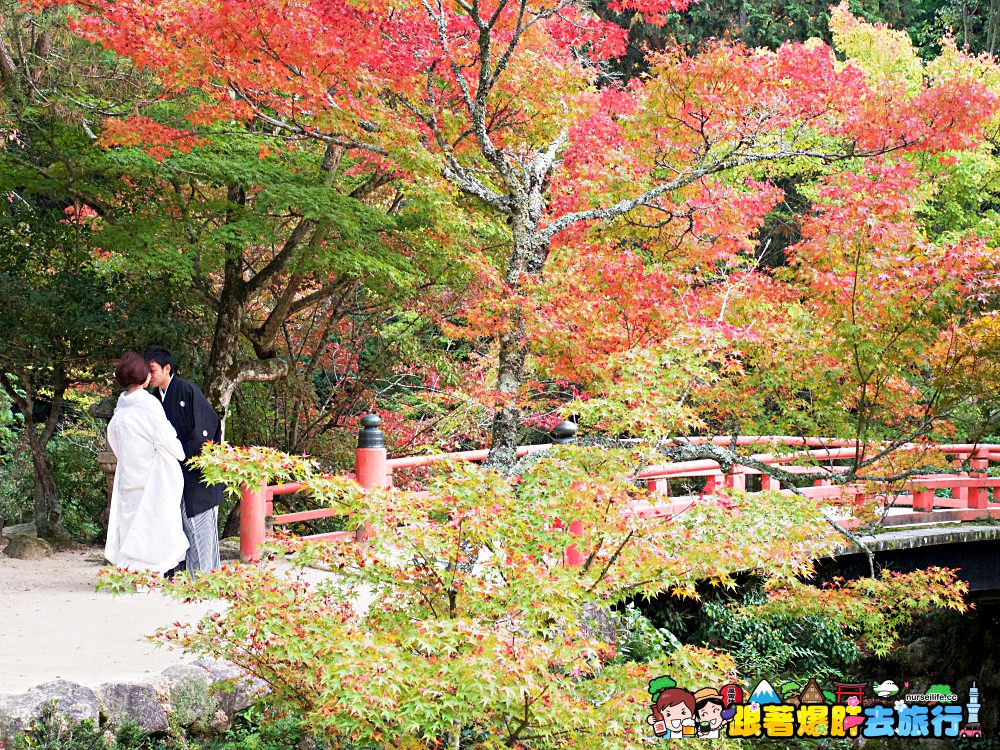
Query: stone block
[
  {"x": 229, "y": 548},
  {"x": 73, "y": 703},
  {"x": 233, "y": 688},
  {"x": 136, "y": 702},
  {"x": 188, "y": 690},
  {"x": 25, "y": 547}
]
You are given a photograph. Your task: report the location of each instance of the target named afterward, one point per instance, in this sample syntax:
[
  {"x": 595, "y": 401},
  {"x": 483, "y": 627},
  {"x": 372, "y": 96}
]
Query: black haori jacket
[{"x": 196, "y": 423}]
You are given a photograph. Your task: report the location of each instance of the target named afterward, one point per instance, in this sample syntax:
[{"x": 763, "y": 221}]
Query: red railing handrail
[
  {"x": 412, "y": 462},
  {"x": 374, "y": 469}
]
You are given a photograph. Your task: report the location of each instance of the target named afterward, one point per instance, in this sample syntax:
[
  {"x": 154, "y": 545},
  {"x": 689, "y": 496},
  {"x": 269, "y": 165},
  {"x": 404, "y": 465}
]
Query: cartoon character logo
[
  {"x": 673, "y": 709},
  {"x": 711, "y": 713},
  {"x": 677, "y": 713},
  {"x": 810, "y": 711}
]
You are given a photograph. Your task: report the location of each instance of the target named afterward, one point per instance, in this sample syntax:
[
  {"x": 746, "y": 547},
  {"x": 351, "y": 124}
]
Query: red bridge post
[
  {"x": 371, "y": 467},
  {"x": 736, "y": 478},
  {"x": 253, "y": 512},
  {"x": 960, "y": 493},
  {"x": 370, "y": 462},
  {"x": 923, "y": 500},
  {"x": 978, "y": 497}
]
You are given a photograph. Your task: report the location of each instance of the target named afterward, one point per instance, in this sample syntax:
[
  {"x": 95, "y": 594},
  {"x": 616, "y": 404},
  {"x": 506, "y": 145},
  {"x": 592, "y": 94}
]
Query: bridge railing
[
  {"x": 969, "y": 491},
  {"x": 372, "y": 468}
]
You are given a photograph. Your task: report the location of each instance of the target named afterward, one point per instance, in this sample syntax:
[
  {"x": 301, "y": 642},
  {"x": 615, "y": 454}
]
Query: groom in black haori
[{"x": 196, "y": 423}]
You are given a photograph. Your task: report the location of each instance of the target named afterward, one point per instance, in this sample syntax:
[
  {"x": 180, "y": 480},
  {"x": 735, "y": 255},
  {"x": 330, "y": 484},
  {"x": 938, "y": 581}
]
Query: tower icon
[{"x": 973, "y": 704}]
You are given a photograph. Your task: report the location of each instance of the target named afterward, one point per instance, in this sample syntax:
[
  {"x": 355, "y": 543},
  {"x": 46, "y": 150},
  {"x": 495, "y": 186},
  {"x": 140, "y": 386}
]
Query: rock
[
  {"x": 233, "y": 689},
  {"x": 229, "y": 549},
  {"x": 219, "y": 723},
  {"x": 28, "y": 548},
  {"x": 20, "y": 529},
  {"x": 188, "y": 691},
  {"x": 73, "y": 703},
  {"x": 137, "y": 702},
  {"x": 103, "y": 409},
  {"x": 920, "y": 657}
]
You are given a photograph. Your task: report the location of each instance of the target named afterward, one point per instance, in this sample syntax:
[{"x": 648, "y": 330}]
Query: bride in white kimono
[{"x": 145, "y": 530}]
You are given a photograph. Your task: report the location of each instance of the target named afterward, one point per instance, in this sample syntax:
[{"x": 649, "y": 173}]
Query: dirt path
[{"x": 53, "y": 623}]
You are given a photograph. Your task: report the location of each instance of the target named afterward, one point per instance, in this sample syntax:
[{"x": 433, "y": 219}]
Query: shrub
[
  {"x": 72, "y": 455},
  {"x": 459, "y": 625},
  {"x": 779, "y": 642},
  {"x": 639, "y": 640},
  {"x": 50, "y": 731},
  {"x": 474, "y": 636}
]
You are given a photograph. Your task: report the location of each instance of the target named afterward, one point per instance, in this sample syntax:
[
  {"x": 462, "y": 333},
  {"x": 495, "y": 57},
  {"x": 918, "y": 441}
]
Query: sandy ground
[{"x": 53, "y": 623}]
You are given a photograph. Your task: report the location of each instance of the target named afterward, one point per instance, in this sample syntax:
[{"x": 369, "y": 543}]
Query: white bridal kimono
[{"x": 145, "y": 531}]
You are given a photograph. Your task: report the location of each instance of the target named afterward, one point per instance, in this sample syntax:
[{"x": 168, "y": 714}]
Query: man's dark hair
[
  {"x": 131, "y": 369},
  {"x": 162, "y": 357}
]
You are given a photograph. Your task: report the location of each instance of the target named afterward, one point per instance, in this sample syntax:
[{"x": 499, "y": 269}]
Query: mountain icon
[{"x": 764, "y": 694}]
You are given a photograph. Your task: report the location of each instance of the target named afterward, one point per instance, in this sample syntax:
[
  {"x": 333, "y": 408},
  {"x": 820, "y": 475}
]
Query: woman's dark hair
[
  {"x": 131, "y": 369},
  {"x": 162, "y": 357}
]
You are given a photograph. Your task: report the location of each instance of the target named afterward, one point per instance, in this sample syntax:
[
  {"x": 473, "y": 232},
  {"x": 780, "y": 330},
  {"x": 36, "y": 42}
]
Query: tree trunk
[
  {"x": 8, "y": 68},
  {"x": 526, "y": 263},
  {"x": 965, "y": 25},
  {"x": 507, "y": 420},
  {"x": 993, "y": 24},
  {"x": 220, "y": 378},
  {"x": 225, "y": 371},
  {"x": 48, "y": 510}
]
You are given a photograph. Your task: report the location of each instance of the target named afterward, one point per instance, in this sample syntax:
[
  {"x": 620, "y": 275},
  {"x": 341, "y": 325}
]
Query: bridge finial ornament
[
  {"x": 370, "y": 436},
  {"x": 564, "y": 432}
]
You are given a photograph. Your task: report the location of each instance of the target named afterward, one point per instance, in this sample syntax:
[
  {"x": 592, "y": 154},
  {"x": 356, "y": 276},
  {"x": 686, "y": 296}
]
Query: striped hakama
[{"x": 202, "y": 532}]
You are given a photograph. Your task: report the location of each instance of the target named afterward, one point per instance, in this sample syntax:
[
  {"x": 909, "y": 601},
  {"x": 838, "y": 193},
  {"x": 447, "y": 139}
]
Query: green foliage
[
  {"x": 72, "y": 458},
  {"x": 257, "y": 728},
  {"x": 778, "y": 642},
  {"x": 872, "y": 610},
  {"x": 648, "y": 393},
  {"x": 72, "y": 454},
  {"x": 638, "y": 640},
  {"x": 52, "y": 732},
  {"x": 465, "y": 618},
  {"x": 237, "y": 467},
  {"x": 15, "y": 468},
  {"x": 75, "y": 471},
  {"x": 764, "y": 24}
]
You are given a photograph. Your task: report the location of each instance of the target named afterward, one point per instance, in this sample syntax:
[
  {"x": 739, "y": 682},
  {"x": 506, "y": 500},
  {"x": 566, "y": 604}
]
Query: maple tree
[
  {"x": 458, "y": 624},
  {"x": 692, "y": 328},
  {"x": 258, "y": 233},
  {"x": 612, "y": 229},
  {"x": 499, "y": 100}
]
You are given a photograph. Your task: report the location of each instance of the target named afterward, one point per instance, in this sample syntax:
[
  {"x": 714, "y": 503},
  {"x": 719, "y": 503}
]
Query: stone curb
[{"x": 204, "y": 695}]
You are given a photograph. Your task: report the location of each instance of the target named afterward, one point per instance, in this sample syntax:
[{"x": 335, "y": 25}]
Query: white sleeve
[
  {"x": 113, "y": 438},
  {"x": 165, "y": 437}
]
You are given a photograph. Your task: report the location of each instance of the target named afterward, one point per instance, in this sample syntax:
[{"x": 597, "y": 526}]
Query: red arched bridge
[{"x": 963, "y": 495}]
